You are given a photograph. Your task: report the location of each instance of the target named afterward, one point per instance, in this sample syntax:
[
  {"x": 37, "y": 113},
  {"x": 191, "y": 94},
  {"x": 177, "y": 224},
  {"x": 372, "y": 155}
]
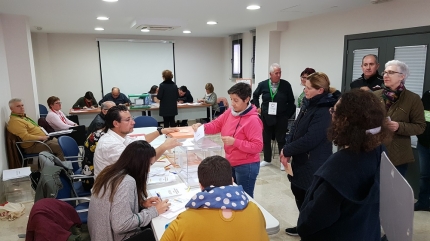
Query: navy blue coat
[
  {"x": 307, "y": 141},
  {"x": 343, "y": 200}
]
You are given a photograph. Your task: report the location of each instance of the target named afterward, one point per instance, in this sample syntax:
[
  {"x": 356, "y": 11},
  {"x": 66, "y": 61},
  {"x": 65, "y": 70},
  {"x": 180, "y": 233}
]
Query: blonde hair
[
  {"x": 209, "y": 87},
  {"x": 320, "y": 80}
]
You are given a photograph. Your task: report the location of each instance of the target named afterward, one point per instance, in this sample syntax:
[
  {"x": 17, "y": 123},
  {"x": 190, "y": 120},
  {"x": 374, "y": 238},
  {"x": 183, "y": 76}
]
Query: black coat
[
  {"x": 374, "y": 82},
  {"x": 168, "y": 96},
  {"x": 343, "y": 200},
  {"x": 424, "y": 138},
  {"x": 284, "y": 97},
  {"x": 307, "y": 142}
]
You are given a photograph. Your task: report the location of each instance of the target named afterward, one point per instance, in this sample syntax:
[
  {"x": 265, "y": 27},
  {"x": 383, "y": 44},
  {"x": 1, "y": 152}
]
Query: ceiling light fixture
[
  {"x": 186, "y": 31},
  {"x": 253, "y": 7},
  {"x": 102, "y": 18},
  {"x": 145, "y": 30},
  {"x": 211, "y": 22},
  {"x": 111, "y": 1},
  {"x": 99, "y": 29}
]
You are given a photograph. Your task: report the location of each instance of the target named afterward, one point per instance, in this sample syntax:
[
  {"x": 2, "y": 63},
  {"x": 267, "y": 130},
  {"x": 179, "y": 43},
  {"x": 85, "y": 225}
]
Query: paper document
[
  {"x": 56, "y": 133},
  {"x": 200, "y": 133},
  {"x": 170, "y": 177},
  {"x": 170, "y": 191},
  {"x": 16, "y": 173}
]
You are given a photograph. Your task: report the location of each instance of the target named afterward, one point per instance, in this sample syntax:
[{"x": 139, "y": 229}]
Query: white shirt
[
  {"x": 54, "y": 120},
  {"x": 109, "y": 148}
]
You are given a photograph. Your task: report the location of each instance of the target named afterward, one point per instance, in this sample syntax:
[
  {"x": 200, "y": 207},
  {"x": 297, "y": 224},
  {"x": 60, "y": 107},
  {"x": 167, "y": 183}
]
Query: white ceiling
[{"x": 79, "y": 16}]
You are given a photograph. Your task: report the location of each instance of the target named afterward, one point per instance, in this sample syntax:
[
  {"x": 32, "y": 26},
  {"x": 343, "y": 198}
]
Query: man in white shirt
[{"x": 119, "y": 123}]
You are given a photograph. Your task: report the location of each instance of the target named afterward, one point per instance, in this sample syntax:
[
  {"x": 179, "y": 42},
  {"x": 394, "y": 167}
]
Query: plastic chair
[
  {"x": 28, "y": 156},
  {"x": 67, "y": 194},
  {"x": 145, "y": 121},
  {"x": 43, "y": 111},
  {"x": 222, "y": 107},
  {"x": 71, "y": 152}
]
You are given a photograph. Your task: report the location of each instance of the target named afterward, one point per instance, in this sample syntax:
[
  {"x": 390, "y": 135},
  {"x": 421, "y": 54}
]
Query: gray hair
[
  {"x": 14, "y": 100},
  {"x": 367, "y": 55},
  {"x": 404, "y": 69},
  {"x": 107, "y": 103},
  {"x": 273, "y": 67}
]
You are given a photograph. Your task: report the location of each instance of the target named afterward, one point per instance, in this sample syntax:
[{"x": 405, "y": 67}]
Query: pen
[
  {"x": 158, "y": 195},
  {"x": 168, "y": 165},
  {"x": 177, "y": 200}
]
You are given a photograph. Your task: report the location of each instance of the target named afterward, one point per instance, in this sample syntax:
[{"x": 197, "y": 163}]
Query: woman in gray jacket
[{"x": 210, "y": 98}]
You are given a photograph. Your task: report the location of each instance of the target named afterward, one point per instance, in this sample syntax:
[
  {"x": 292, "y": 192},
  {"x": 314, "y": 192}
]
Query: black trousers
[
  {"x": 299, "y": 195},
  {"x": 279, "y": 131},
  {"x": 169, "y": 121}
]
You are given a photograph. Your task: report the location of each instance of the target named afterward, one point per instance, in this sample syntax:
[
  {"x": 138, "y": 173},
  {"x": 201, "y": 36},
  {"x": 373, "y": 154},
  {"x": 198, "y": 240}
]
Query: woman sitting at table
[
  {"x": 210, "y": 98},
  {"x": 153, "y": 92},
  {"x": 118, "y": 190},
  {"x": 88, "y": 101},
  {"x": 56, "y": 118}
]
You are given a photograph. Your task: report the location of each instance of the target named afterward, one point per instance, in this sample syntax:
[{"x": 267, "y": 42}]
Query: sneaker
[
  {"x": 292, "y": 231},
  {"x": 264, "y": 163},
  {"x": 282, "y": 167}
]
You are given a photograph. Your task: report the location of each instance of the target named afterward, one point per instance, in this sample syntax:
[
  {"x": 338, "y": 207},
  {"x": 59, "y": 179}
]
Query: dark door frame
[{"x": 387, "y": 33}]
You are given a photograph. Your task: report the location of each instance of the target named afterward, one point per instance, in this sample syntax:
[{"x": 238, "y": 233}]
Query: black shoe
[
  {"x": 418, "y": 207},
  {"x": 292, "y": 231}
]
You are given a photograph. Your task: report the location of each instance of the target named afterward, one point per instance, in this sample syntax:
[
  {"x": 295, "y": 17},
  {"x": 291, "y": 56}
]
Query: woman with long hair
[
  {"x": 117, "y": 192},
  {"x": 343, "y": 201}
]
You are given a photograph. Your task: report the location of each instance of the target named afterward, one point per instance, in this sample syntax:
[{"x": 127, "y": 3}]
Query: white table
[
  {"x": 158, "y": 223},
  {"x": 185, "y": 112},
  {"x": 85, "y": 116}
]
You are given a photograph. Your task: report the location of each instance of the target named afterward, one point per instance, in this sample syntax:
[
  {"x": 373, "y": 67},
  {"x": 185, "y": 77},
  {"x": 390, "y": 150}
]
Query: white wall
[
  {"x": 67, "y": 65},
  {"x": 5, "y": 96},
  {"x": 318, "y": 42}
]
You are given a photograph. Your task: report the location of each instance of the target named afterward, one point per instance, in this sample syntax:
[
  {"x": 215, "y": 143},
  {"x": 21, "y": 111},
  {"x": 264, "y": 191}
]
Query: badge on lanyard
[
  {"x": 272, "y": 108},
  {"x": 273, "y": 105}
]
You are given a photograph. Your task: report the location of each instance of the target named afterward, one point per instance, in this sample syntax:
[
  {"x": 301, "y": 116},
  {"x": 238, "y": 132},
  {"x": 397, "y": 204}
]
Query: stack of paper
[{"x": 16, "y": 173}]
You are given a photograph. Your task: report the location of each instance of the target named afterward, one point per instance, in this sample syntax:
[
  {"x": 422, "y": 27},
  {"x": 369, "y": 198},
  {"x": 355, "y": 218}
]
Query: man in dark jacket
[
  {"x": 276, "y": 108},
  {"x": 184, "y": 97},
  {"x": 370, "y": 79},
  {"x": 117, "y": 97},
  {"x": 99, "y": 120}
]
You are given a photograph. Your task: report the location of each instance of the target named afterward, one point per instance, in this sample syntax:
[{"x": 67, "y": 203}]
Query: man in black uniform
[{"x": 370, "y": 79}]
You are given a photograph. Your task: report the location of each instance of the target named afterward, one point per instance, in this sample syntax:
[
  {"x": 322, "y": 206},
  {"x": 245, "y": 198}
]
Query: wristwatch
[{"x": 159, "y": 130}]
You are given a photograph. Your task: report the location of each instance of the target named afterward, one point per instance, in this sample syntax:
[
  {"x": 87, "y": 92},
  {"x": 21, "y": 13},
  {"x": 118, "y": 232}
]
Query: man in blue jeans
[{"x": 423, "y": 203}]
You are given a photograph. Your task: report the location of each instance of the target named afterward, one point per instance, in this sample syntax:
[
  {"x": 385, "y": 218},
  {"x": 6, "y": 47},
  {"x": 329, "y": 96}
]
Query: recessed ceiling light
[
  {"x": 111, "y": 1},
  {"x": 99, "y": 29},
  {"x": 186, "y": 31},
  {"x": 102, "y": 18},
  {"x": 145, "y": 30},
  {"x": 253, "y": 7},
  {"x": 211, "y": 22}
]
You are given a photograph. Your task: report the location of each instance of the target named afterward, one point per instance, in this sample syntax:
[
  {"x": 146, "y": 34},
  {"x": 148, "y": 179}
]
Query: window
[
  {"x": 236, "y": 56},
  {"x": 253, "y": 56}
]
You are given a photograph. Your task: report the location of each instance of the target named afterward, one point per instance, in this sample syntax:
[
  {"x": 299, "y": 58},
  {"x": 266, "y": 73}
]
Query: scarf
[
  {"x": 223, "y": 197},
  {"x": 243, "y": 112},
  {"x": 391, "y": 96}
]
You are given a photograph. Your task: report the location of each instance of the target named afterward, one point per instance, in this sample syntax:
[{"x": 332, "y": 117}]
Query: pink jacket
[{"x": 247, "y": 131}]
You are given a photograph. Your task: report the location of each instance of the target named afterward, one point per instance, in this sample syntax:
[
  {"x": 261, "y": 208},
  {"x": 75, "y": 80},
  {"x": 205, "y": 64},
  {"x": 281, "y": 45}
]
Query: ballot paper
[
  {"x": 170, "y": 191},
  {"x": 168, "y": 177},
  {"x": 200, "y": 133}
]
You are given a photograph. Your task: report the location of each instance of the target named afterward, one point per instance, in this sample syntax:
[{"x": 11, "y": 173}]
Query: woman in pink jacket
[{"x": 241, "y": 131}]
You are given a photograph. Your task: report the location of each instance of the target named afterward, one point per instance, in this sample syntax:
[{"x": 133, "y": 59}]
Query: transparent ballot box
[
  {"x": 188, "y": 157},
  {"x": 140, "y": 101}
]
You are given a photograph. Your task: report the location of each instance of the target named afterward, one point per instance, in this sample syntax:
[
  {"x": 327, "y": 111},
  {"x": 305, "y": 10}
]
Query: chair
[
  {"x": 145, "y": 121},
  {"x": 43, "y": 123},
  {"x": 43, "y": 112},
  {"x": 72, "y": 153},
  {"x": 27, "y": 156}
]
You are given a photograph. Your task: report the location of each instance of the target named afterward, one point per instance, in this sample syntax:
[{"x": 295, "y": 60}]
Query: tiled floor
[{"x": 272, "y": 192}]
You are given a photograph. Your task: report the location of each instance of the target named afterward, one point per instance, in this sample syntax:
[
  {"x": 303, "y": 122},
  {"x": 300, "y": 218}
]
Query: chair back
[
  {"x": 43, "y": 123},
  {"x": 14, "y": 155},
  {"x": 221, "y": 107},
  {"x": 70, "y": 149},
  {"x": 43, "y": 111},
  {"x": 145, "y": 121}
]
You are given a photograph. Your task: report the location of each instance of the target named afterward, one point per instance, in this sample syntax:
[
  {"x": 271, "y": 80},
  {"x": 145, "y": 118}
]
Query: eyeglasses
[
  {"x": 126, "y": 120},
  {"x": 390, "y": 72},
  {"x": 58, "y": 103},
  {"x": 332, "y": 110}
]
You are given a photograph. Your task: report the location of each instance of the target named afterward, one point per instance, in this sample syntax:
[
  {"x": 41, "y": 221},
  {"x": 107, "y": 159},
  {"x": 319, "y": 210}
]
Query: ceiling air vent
[{"x": 156, "y": 27}]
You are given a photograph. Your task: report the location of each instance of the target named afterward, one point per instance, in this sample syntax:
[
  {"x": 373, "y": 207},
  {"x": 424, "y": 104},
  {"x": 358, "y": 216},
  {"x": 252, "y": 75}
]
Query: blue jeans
[
  {"x": 424, "y": 195},
  {"x": 402, "y": 169},
  {"x": 246, "y": 175}
]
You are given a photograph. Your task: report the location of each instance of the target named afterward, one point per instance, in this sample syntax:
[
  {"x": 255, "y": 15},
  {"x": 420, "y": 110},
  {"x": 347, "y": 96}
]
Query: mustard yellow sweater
[
  {"x": 210, "y": 225},
  {"x": 27, "y": 131}
]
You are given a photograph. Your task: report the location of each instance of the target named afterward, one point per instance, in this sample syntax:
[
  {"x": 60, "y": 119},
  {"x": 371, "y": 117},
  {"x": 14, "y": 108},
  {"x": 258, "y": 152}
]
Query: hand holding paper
[{"x": 199, "y": 133}]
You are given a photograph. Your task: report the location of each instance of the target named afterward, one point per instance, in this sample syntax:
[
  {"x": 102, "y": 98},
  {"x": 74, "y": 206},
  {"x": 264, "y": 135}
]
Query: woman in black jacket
[
  {"x": 168, "y": 96},
  {"x": 307, "y": 141}
]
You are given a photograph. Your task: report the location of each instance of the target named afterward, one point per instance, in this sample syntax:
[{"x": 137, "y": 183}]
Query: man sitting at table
[
  {"x": 119, "y": 123},
  {"x": 28, "y": 130},
  {"x": 116, "y": 96},
  {"x": 184, "y": 97},
  {"x": 99, "y": 120},
  {"x": 220, "y": 211}
]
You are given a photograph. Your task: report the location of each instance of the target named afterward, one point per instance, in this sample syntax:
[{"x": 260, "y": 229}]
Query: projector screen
[{"x": 134, "y": 65}]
